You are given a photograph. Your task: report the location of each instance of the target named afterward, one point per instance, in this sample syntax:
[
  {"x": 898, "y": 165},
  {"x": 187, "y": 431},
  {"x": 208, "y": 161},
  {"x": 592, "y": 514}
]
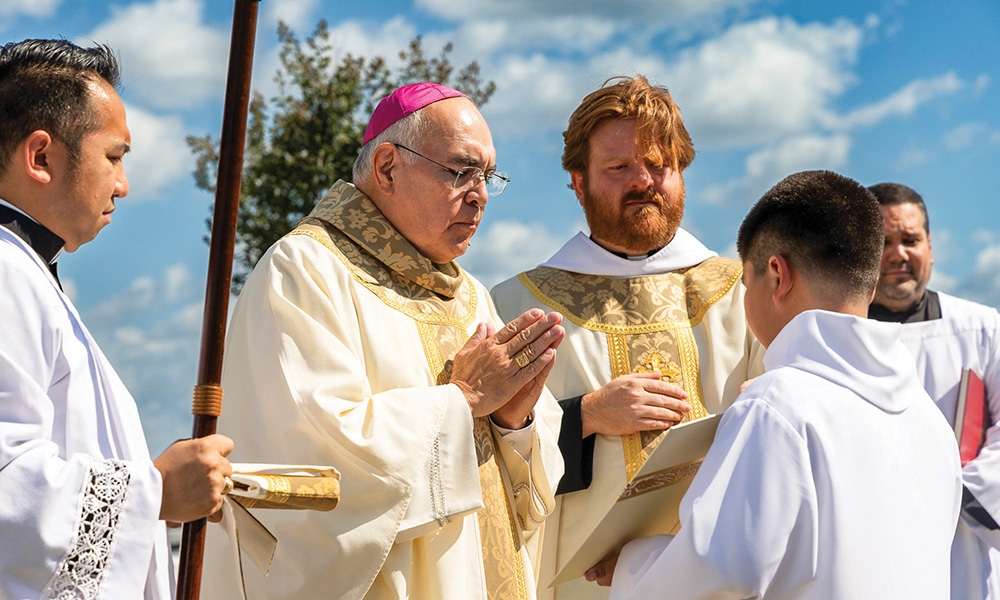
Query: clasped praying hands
[{"x": 502, "y": 373}]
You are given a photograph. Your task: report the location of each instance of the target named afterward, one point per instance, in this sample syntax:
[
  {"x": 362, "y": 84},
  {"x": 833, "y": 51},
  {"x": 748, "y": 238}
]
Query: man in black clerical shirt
[
  {"x": 70, "y": 439},
  {"x": 946, "y": 335},
  {"x": 902, "y": 295}
]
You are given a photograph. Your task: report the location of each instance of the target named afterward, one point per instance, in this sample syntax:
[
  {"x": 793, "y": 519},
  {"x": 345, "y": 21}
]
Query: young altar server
[{"x": 833, "y": 475}]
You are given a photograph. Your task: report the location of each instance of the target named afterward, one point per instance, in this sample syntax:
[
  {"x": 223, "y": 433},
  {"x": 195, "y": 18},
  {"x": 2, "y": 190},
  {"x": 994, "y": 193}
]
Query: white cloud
[
  {"x": 982, "y": 82},
  {"x": 901, "y": 103},
  {"x": 762, "y": 80},
  {"x": 151, "y": 334},
  {"x": 636, "y": 10},
  {"x": 983, "y": 285},
  {"x": 386, "y": 41},
  {"x": 158, "y": 155},
  {"x": 552, "y": 88},
  {"x": 359, "y": 39},
  {"x": 942, "y": 282},
  {"x": 170, "y": 58},
  {"x": 297, "y": 14},
  {"x": 767, "y": 166},
  {"x": 981, "y": 249},
  {"x": 29, "y": 8},
  {"x": 508, "y": 247},
  {"x": 563, "y": 34},
  {"x": 964, "y": 135},
  {"x": 799, "y": 154},
  {"x": 986, "y": 238},
  {"x": 913, "y": 158}
]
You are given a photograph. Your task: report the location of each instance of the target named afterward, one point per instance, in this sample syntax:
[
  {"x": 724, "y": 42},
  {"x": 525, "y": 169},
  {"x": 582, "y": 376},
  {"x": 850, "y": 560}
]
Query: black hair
[
  {"x": 827, "y": 226},
  {"x": 891, "y": 194},
  {"x": 44, "y": 85}
]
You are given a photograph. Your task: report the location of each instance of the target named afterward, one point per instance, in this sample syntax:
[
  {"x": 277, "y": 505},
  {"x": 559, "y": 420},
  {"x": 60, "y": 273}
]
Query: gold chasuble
[
  {"x": 648, "y": 322},
  {"x": 417, "y": 529},
  {"x": 688, "y": 324}
]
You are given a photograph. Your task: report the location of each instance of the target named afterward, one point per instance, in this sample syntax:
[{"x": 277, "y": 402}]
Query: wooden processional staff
[{"x": 207, "y": 403}]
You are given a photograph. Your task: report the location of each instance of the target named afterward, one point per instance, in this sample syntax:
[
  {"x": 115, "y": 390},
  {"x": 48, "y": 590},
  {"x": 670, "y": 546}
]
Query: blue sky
[{"x": 905, "y": 91}]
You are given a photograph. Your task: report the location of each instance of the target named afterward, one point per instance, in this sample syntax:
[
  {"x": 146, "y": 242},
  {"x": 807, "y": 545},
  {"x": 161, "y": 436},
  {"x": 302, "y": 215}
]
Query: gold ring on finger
[
  {"x": 522, "y": 360},
  {"x": 229, "y": 486}
]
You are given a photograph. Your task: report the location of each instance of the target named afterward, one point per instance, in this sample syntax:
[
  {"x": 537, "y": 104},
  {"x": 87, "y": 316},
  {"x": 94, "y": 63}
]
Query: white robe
[
  {"x": 967, "y": 336},
  {"x": 831, "y": 477},
  {"x": 720, "y": 355},
  {"x": 79, "y": 495},
  {"x": 324, "y": 366}
]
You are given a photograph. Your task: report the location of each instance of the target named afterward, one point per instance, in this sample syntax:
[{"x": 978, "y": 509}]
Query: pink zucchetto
[{"x": 405, "y": 101}]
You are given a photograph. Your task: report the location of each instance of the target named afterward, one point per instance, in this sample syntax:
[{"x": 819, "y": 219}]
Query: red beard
[{"x": 637, "y": 229}]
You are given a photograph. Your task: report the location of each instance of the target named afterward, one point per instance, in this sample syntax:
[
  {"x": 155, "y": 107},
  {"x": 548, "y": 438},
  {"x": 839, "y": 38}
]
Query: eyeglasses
[{"x": 469, "y": 177}]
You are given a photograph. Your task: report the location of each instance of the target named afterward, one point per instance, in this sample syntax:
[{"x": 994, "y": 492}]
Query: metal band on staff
[{"x": 207, "y": 400}]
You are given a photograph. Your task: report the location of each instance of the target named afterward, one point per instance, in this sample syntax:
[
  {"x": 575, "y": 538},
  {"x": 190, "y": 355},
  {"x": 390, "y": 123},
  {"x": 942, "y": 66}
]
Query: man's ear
[
  {"x": 39, "y": 156},
  {"x": 779, "y": 271},
  {"x": 576, "y": 178},
  {"x": 385, "y": 159}
]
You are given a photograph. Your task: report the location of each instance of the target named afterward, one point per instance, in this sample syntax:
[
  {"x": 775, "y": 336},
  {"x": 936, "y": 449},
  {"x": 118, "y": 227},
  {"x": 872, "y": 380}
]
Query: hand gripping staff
[{"x": 207, "y": 403}]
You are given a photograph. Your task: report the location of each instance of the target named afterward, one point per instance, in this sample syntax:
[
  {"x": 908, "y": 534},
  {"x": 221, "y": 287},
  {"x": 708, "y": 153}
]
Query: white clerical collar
[{"x": 583, "y": 255}]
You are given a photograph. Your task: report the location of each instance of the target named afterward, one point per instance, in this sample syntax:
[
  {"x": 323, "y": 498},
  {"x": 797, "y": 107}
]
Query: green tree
[{"x": 309, "y": 135}]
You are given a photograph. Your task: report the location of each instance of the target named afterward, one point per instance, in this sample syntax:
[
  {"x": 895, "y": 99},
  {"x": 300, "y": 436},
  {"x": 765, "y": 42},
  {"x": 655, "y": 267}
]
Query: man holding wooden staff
[
  {"x": 358, "y": 342},
  {"x": 81, "y": 502}
]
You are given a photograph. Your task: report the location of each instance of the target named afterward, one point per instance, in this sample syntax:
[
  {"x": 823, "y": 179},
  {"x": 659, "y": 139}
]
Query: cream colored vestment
[
  {"x": 338, "y": 353},
  {"x": 679, "y": 311}
]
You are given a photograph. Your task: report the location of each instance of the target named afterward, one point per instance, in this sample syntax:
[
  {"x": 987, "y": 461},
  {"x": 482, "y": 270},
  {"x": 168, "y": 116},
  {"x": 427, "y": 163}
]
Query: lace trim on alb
[
  {"x": 438, "y": 507},
  {"x": 81, "y": 569}
]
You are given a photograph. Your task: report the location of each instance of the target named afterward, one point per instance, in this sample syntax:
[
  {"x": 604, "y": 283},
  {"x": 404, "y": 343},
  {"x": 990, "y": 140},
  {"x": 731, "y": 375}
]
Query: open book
[
  {"x": 649, "y": 504},
  {"x": 295, "y": 487},
  {"x": 285, "y": 487},
  {"x": 972, "y": 417}
]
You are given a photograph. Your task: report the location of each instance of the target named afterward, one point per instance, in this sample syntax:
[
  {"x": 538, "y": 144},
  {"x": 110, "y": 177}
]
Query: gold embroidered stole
[
  {"x": 442, "y": 303},
  {"x": 648, "y": 322}
]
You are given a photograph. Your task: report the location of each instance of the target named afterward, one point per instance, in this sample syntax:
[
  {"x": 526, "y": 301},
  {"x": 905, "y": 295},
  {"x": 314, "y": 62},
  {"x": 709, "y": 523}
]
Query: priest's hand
[
  {"x": 496, "y": 368},
  {"x": 194, "y": 476},
  {"x": 603, "y": 571},
  {"x": 631, "y": 403},
  {"x": 746, "y": 384}
]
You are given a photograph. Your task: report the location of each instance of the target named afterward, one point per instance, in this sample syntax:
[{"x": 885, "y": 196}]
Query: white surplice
[
  {"x": 967, "y": 336},
  {"x": 79, "y": 495},
  {"x": 679, "y": 309},
  {"x": 326, "y": 364},
  {"x": 832, "y": 476}
]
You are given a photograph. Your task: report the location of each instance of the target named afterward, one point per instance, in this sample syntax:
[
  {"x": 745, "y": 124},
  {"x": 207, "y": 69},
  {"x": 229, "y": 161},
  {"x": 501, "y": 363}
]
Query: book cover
[
  {"x": 649, "y": 504},
  {"x": 971, "y": 416}
]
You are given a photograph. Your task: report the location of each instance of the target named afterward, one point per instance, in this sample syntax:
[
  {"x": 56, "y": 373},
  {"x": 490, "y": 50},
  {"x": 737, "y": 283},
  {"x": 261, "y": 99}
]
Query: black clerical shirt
[
  {"x": 45, "y": 243},
  {"x": 927, "y": 308}
]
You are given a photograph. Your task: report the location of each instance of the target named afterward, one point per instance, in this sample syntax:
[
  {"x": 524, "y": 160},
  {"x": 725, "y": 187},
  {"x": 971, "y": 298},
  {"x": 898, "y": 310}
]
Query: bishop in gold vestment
[{"x": 343, "y": 350}]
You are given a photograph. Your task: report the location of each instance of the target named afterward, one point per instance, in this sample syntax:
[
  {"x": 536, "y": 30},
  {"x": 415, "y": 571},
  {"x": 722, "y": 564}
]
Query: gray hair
[{"x": 407, "y": 131}]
